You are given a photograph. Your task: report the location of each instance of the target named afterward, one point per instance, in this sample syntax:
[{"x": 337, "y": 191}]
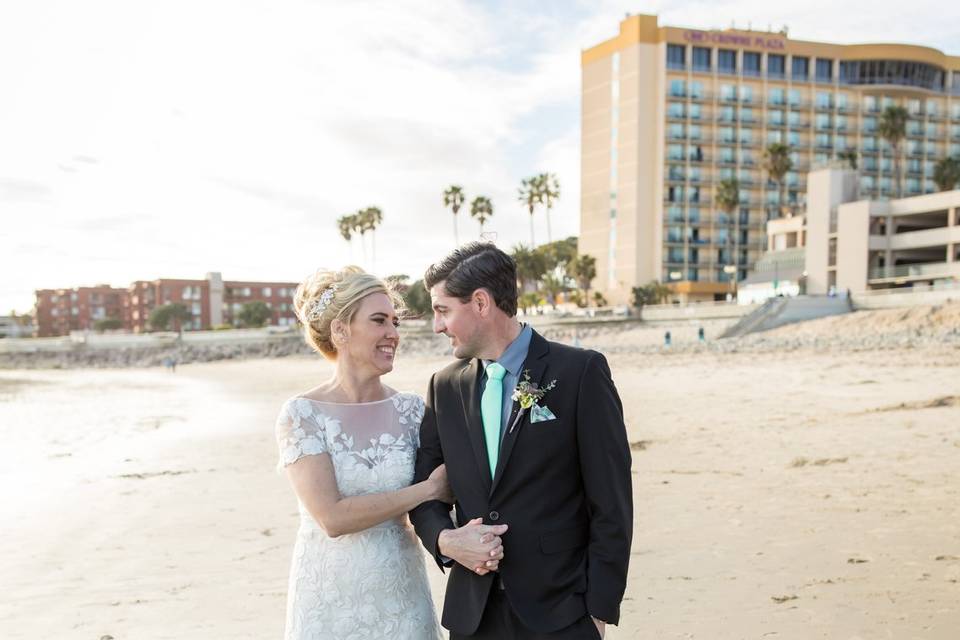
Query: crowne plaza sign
[{"x": 755, "y": 41}]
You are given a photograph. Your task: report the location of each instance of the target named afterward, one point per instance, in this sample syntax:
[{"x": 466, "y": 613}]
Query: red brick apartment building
[
  {"x": 211, "y": 301},
  {"x": 60, "y": 311}
]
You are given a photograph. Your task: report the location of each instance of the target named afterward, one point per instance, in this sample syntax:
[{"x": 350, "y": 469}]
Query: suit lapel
[
  {"x": 470, "y": 400},
  {"x": 536, "y": 365}
]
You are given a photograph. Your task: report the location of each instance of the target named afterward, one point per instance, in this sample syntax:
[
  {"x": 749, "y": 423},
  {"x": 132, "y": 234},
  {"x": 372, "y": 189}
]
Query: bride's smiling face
[{"x": 370, "y": 340}]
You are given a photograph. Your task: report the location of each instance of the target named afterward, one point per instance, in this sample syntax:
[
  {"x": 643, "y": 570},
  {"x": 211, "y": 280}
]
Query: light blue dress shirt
[{"x": 512, "y": 360}]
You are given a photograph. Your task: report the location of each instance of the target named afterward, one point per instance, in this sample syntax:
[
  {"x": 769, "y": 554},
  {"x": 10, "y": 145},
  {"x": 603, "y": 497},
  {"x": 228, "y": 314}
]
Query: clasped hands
[{"x": 475, "y": 545}]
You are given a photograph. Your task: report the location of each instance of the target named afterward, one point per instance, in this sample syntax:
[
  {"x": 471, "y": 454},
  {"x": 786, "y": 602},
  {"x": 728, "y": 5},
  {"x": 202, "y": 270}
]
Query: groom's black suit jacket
[{"x": 563, "y": 486}]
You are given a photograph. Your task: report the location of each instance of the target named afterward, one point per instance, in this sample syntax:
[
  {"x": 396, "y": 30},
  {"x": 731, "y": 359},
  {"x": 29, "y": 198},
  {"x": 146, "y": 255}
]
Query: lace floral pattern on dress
[{"x": 371, "y": 584}]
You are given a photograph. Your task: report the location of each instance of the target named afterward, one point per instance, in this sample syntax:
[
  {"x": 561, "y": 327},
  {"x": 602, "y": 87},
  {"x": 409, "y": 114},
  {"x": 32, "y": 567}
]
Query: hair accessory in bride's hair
[{"x": 318, "y": 307}]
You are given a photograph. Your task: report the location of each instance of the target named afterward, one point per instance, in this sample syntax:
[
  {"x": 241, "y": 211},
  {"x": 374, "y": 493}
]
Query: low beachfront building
[{"x": 842, "y": 244}]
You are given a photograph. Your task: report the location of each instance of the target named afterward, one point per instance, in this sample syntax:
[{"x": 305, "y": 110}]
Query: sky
[{"x": 143, "y": 139}]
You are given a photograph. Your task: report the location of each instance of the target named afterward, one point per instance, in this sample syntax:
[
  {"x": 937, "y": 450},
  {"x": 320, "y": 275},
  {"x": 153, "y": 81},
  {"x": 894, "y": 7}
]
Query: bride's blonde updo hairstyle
[{"x": 326, "y": 296}]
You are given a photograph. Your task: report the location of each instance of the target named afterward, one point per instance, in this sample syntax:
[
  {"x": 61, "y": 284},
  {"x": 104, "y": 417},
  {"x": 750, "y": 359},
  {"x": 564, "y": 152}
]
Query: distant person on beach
[
  {"x": 533, "y": 438},
  {"x": 348, "y": 446},
  {"x": 701, "y": 335},
  {"x": 666, "y": 339}
]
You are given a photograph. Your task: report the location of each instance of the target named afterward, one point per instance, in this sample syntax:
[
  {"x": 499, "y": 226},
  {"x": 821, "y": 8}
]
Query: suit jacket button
[{"x": 494, "y": 515}]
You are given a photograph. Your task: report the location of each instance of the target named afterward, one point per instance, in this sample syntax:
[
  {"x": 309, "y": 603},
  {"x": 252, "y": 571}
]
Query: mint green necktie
[{"x": 491, "y": 412}]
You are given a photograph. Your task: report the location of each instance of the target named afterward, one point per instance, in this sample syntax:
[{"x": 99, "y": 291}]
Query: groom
[{"x": 554, "y": 467}]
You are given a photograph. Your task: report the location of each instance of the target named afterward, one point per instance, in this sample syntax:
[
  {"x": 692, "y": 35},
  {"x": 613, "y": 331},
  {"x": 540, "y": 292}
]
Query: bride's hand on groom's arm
[
  {"x": 440, "y": 486},
  {"x": 475, "y": 545}
]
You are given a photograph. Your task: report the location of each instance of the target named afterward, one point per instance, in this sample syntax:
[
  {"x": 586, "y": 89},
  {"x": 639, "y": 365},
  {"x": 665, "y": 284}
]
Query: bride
[{"x": 348, "y": 447}]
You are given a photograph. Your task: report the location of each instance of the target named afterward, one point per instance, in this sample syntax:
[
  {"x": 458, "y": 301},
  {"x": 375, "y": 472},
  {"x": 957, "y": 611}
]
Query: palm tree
[
  {"x": 454, "y": 198},
  {"x": 777, "y": 163},
  {"x": 345, "y": 225},
  {"x": 373, "y": 218},
  {"x": 482, "y": 209},
  {"x": 585, "y": 270},
  {"x": 946, "y": 173},
  {"x": 529, "y": 195},
  {"x": 893, "y": 129},
  {"x": 728, "y": 195},
  {"x": 549, "y": 189},
  {"x": 360, "y": 226},
  {"x": 531, "y": 265},
  {"x": 850, "y": 156}
]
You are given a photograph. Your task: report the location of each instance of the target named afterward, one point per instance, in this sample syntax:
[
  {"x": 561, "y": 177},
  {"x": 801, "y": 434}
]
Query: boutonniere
[{"x": 528, "y": 394}]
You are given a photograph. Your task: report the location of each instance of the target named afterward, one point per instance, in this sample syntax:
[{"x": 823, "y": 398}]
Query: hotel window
[
  {"x": 955, "y": 107},
  {"x": 727, "y": 155},
  {"x": 727, "y": 173},
  {"x": 727, "y": 61},
  {"x": 693, "y": 275},
  {"x": 694, "y": 132},
  {"x": 746, "y": 136},
  {"x": 696, "y": 111},
  {"x": 885, "y": 184},
  {"x": 843, "y": 101},
  {"x": 676, "y": 56},
  {"x": 694, "y": 174},
  {"x": 675, "y": 110},
  {"x": 933, "y": 107},
  {"x": 956, "y": 83},
  {"x": 867, "y": 183},
  {"x": 842, "y": 142},
  {"x": 793, "y": 118},
  {"x": 774, "y": 135},
  {"x": 776, "y": 65},
  {"x": 674, "y": 152},
  {"x": 793, "y": 138},
  {"x": 775, "y": 117},
  {"x": 696, "y": 89},
  {"x": 886, "y": 101},
  {"x": 842, "y": 122},
  {"x": 824, "y": 100},
  {"x": 793, "y": 178},
  {"x": 746, "y": 94},
  {"x": 695, "y": 152},
  {"x": 886, "y": 165},
  {"x": 823, "y": 141},
  {"x": 913, "y": 107},
  {"x": 821, "y": 159},
  {"x": 869, "y": 124},
  {"x": 777, "y": 96},
  {"x": 674, "y": 234},
  {"x": 933, "y": 148},
  {"x": 800, "y": 67},
  {"x": 955, "y": 131},
  {"x": 869, "y": 143},
  {"x": 794, "y": 97},
  {"x": 675, "y": 213},
  {"x": 675, "y": 130},
  {"x": 933, "y": 130},
  {"x": 675, "y": 172},
  {"x": 914, "y": 147},
  {"x": 913, "y": 185},
  {"x": 266, "y": 292},
  {"x": 746, "y": 157},
  {"x": 693, "y": 214},
  {"x": 728, "y": 93},
  {"x": 746, "y": 115},
  {"x": 870, "y": 104},
  {"x": 824, "y": 70},
  {"x": 727, "y": 114},
  {"x": 678, "y": 88},
  {"x": 822, "y": 121},
  {"x": 701, "y": 59},
  {"x": 928, "y": 186},
  {"x": 751, "y": 63},
  {"x": 675, "y": 254},
  {"x": 727, "y": 135},
  {"x": 675, "y": 194},
  {"x": 694, "y": 194},
  {"x": 870, "y": 163},
  {"x": 954, "y": 149}
]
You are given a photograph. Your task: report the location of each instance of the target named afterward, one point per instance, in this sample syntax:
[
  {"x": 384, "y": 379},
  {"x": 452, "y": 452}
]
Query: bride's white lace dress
[{"x": 370, "y": 584}]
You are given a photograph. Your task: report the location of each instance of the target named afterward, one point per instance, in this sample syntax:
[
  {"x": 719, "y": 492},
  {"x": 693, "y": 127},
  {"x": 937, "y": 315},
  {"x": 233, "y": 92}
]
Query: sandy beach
[{"x": 793, "y": 495}]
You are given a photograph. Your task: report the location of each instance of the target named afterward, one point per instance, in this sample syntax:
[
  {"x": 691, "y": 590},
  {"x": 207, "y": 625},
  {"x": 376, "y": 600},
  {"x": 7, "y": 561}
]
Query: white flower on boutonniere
[{"x": 528, "y": 394}]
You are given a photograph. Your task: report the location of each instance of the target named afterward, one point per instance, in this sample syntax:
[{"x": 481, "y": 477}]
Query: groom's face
[{"x": 457, "y": 320}]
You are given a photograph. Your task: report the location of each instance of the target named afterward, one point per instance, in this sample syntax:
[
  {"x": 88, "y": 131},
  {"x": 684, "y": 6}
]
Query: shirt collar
[{"x": 516, "y": 353}]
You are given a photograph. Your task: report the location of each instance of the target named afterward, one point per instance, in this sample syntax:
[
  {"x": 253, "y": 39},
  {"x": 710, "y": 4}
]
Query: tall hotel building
[{"x": 668, "y": 113}]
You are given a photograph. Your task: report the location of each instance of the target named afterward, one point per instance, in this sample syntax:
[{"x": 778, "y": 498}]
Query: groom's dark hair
[{"x": 474, "y": 266}]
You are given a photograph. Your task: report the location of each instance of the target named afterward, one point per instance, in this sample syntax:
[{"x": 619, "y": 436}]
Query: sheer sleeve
[{"x": 299, "y": 432}]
